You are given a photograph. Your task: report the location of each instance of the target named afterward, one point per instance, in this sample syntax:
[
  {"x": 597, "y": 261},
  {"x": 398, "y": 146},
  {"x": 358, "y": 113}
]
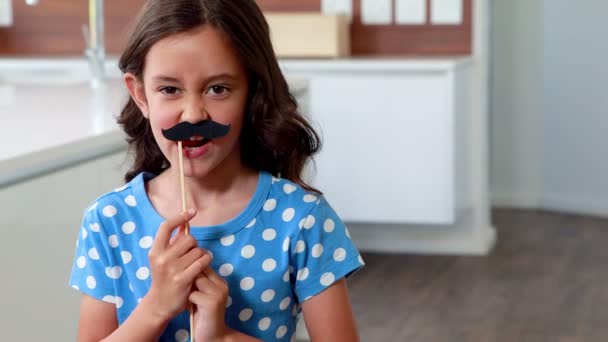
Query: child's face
[{"x": 192, "y": 77}]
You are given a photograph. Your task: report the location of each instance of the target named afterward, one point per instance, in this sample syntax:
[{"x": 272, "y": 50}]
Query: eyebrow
[{"x": 163, "y": 78}]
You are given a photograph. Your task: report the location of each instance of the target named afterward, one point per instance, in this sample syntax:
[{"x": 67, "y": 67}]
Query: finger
[
  {"x": 164, "y": 231},
  {"x": 195, "y": 269},
  {"x": 197, "y": 298},
  {"x": 180, "y": 232},
  {"x": 181, "y": 246},
  {"x": 190, "y": 257},
  {"x": 214, "y": 277},
  {"x": 204, "y": 284}
]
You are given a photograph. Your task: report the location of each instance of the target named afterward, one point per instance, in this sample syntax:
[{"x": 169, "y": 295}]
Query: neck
[{"x": 228, "y": 182}]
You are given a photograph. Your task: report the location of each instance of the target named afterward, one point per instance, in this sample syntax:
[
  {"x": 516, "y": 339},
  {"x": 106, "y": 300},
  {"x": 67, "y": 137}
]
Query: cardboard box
[{"x": 309, "y": 35}]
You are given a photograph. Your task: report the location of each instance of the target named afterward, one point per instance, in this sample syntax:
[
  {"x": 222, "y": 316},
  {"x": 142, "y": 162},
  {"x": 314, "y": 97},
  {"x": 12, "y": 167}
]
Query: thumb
[{"x": 180, "y": 231}]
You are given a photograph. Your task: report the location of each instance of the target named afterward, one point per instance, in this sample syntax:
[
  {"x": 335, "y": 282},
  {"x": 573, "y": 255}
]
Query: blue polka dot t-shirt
[{"x": 286, "y": 246}]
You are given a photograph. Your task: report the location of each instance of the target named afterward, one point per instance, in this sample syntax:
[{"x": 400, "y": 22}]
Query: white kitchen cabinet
[{"x": 395, "y": 137}]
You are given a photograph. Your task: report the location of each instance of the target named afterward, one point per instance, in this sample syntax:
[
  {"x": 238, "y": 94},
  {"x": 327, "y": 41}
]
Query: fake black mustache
[{"x": 208, "y": 129}]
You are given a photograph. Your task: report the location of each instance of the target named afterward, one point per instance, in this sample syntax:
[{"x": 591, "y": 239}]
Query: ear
[{"x": 137, "y": 91}]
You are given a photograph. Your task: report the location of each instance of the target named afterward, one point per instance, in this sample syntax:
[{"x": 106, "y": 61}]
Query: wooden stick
[{"x": 186, "y": 225}]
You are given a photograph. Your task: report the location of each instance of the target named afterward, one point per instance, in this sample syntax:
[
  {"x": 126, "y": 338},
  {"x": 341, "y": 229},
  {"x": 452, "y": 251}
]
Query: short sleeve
[
  {"x": 323, "y": 253},
  {"x": 92, "y": 271}
]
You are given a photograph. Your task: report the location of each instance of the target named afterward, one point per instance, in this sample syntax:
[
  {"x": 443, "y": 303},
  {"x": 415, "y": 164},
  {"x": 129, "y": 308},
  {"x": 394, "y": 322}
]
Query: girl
[{"x": 261, "y": 248}]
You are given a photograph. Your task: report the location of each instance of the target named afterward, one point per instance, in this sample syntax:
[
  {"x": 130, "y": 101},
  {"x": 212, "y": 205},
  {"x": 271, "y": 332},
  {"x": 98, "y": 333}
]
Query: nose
[{"x": 194, "y": 109}]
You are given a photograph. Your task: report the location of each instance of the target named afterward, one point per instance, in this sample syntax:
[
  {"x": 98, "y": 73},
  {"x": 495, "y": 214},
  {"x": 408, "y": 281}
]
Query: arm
[
  {"x": 175, "y": 263},
  {"x": 98, "y": 322},
  {"x": 329, "y": 315}
]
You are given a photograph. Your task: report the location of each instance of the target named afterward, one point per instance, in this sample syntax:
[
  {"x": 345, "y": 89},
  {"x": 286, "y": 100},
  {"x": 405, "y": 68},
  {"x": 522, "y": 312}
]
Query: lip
[{"x": 197, "y": 152}]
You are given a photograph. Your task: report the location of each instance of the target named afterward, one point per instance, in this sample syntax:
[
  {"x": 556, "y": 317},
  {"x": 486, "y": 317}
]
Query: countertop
[{"x": 51, "y": 118}]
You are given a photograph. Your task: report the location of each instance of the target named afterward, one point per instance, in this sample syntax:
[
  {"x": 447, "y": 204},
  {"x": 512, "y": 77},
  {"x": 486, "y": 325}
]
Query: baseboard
[
  {"x": 574, "y": 204},
  {"x": 523, "y": 200},
  {"x": 435, "y": 240}
]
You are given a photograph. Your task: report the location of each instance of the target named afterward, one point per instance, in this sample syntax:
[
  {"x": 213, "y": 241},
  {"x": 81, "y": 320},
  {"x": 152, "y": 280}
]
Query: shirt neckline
[{"x": 207, "y": 232}]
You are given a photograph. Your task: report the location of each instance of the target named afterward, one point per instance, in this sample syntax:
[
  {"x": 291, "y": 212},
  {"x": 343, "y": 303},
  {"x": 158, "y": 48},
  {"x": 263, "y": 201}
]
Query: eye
[
  {"x": 217, "y": 89},
  {"x": 169, "y": 90}
]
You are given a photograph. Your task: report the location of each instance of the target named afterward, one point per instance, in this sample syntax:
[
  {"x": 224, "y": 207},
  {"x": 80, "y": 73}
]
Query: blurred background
[{"x": 481, "y": 206}]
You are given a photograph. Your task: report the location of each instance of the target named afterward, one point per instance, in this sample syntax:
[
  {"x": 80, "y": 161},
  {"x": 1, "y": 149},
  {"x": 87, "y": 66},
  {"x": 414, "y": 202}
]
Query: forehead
[{"x": 202, "y": 51}]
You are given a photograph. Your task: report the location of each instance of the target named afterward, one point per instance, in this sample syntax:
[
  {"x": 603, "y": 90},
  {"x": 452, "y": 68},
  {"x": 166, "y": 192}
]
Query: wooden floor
[{"x": 546, "y": 280}]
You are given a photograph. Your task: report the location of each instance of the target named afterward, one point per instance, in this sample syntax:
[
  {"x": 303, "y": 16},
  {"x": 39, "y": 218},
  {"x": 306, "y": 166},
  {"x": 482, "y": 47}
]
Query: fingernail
[{"x": 191, "y": 211}]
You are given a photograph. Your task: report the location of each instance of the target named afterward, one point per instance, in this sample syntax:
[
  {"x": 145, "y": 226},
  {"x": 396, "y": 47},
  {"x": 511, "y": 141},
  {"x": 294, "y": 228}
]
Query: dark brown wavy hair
[{"x": 275, "y": 137}]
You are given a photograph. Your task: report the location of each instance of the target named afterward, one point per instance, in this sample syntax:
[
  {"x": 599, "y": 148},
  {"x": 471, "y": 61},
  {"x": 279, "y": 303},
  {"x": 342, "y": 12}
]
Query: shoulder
[
  {"x": 291, "y": 195},
  {"x": 115, "y": 203},
  {"x": 291, "y": 203}
]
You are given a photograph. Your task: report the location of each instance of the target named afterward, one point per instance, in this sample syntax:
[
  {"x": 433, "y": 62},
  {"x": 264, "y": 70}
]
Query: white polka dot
[
  {"x": 245, "y": 314},
  {"x": 131, "y": 287},
  {"x": 248, "y": 252},
  {"x": 288, "y": 214},
  {"x": 275, "y": 179},
  {"x": 91, "y": 282},
  {"x": 114, "y": 272},
  {"x": 267, "y": 296},
  {"x": 128, "y": 227},
  {"x": 294, "y": 311},
  {"x": 126, "y": 257},
  {"x": 182, "y": 335},
  {"x": 109, "y": 299},
  {"x": 84, "y": 233},
  {"x": 121, "y": 188},
  {"x": 113, "y": 241},
  {"x": 308, "y": 198},
  {"x": 264, "y": 323},
  {"x": 327, "y": 279},
  {"x": 251, "y": 223},
  {"x": 114, "y": 300},
  {"x": 269, "y": 265},
  {"x": 269, "y": 234},
  {"x": 285, "y": 303},
  {"x": 94, "y": 227},
  {"x": 76, "y": 287},
  {"x": 339, "y": 254},
  {"x": 302, "y": 274},
  {"x": 93, "y": 207},
  {"x": 130, "y": 201},
  {"x": 329, "y": 225},
  {"x": 226, "y": 270},
  {"x": 142, "y": 273},
  {"x": 317, "y": 250},
  {"x": 286, "y": 244},
  {"x": 93, "y": 254},
  {"x": 228, "y": 301},
  {"x": 247, "y": 283},
  {"x": 109, "y": 211},
  {"x": 289, "y": 188},
  {"x": 286, "y": 276},
  {"x": 270, "y": 204},
  {"x": 81, "y": 262},
  {"x": 281, "y": 331},
  {"x": 146, "y": 242},
  {"x": 227, "y": 240},
  {"x": 347, "y": 232},
  {"x": 361, "y": 260},
  {"x": 300, "y": 246},
  {"x": 310, "y": 221}
]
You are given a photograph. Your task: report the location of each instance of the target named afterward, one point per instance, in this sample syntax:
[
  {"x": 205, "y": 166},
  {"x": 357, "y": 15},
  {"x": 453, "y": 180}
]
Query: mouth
[{"x": 194, "y": 142}]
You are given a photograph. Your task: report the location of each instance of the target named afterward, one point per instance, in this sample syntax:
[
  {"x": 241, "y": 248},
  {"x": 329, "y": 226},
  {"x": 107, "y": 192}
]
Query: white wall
[
  {"x": 516, "y": 103},
  {"x": 548, "y": 105},
  {"x": 575, "y": 130}
]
